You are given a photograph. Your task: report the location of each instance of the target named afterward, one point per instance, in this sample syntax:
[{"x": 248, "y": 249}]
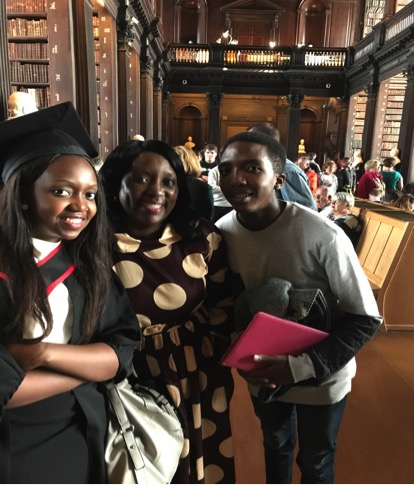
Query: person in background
[
  {"x": 391, "y": 197},
  {"x": 357, "y": 161},
  {"x": 405, "y": 202},
  {"x": 394, "y": 152},
  {"x": 270, "y": 238},
  {"x": 377, "y": 195},
  {"x": 296, "y": 186},
  {"x": 371, "y": 179},
  {"x": 200, "y": 155},
  {"x": 314, "y": 165},
  {"x": 327, "y": 176},
  {"x": 66, "y": 323},
  {"x": 408, "y": 188},
  {"x": 342, "y": 203},
  {"x": 303, "y": 163},
  {"x": 201, "y": 194},
  {"x": 323, "y": 199},
  {"x": 345, "y": 175},
  {"x": 357, "y": 164},
  {"x": 174, "y": 267},
  {"x": 392, "y": 179},
  {"x": 221, "y": 205},
  {"x": 209, "y": 160}
]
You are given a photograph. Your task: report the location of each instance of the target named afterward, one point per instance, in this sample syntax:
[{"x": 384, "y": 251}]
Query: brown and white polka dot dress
[{"x": 181, "y": 297}]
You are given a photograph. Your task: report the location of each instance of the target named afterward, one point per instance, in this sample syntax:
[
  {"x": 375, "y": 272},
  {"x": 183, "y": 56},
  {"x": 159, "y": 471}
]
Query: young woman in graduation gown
[{"x": 66, "y": 325}]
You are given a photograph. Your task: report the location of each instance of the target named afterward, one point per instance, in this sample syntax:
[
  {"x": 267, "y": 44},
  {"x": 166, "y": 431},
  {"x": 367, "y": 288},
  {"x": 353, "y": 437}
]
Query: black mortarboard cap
[{"x": 50, "y": 131}]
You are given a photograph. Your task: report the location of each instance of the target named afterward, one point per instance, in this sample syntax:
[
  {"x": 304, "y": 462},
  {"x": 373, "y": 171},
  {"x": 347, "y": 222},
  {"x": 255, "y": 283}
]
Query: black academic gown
[{"x": 61, "y": 439}]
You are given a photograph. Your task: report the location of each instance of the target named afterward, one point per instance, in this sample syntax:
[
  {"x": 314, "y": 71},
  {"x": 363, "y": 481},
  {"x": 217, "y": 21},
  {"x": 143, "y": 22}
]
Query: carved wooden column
[
  {"x": 389, "y": 8},
  {"x": 157, "y": 103},
  {"x": 324, "y": 123},
  {"x": 406, "y": 137},
  {"x": 343, "y": 104},
  {"x": 147, "y": 98},
  {"x": 368, "y": 134},
  {"x": 166, "y": 111},
  {"x": 124, "y": 35},
  {"x": 295, "y": 102},
  {"x": 281, "y": 109},
  {"x": 134, "y": 102},
  {"x": 214, "y": 99},
  {"x": 108, "y": 83},
  {"x": 85, "y": 79}
]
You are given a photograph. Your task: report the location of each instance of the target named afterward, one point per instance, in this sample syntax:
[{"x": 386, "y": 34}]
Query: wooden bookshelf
[
  {"x": 28, "y": 48},
  {"x": 104, "y": 32},
  {"x": 39, "y": 57},
  {"x": 359, "y": 104},
  {"x": 394, "y": 93},
  {"x": 374, "y": 13},
  {"x": 97, "y": 51}
]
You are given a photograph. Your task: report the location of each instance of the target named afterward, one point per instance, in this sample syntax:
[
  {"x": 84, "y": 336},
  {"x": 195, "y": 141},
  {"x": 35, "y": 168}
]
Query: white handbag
[{"x": 145, "y": 438}]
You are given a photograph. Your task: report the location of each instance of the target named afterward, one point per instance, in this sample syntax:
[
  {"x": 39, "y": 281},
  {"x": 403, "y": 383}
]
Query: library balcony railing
[
  {"x": 401, "y": 21},
  {"x": 236, "y": 56}
]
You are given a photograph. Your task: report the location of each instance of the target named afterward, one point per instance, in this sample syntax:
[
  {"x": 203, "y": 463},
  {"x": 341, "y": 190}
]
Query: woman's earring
[{"x": 24, "y": 207}]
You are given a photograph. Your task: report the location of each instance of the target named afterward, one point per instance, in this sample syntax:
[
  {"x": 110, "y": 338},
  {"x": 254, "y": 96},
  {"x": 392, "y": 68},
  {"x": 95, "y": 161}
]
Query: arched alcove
[
  {"x": 190, "y": 122},
  {"x": 309, "y": 129},
  {"x": 190, "y": 21},
  {"x": 312, "y": 23}
]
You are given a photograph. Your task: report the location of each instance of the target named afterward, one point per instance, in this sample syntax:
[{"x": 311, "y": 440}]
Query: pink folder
[{"x": 269, "y": 335}]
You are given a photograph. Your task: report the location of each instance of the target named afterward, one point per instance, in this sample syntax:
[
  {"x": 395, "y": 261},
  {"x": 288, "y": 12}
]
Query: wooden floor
[{"x": 376, "y": 439}]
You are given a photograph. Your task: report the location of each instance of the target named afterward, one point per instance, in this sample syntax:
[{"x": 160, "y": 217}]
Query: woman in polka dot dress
[{"x": 173, "y": 267}]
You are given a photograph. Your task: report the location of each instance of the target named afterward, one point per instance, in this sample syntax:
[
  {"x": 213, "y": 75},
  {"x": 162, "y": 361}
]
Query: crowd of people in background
[
  {"x": 342, "y": 179},
  {"x": 330, "y": 186}
]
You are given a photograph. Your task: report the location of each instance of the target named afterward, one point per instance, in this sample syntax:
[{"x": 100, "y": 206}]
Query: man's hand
[{"x": 276, "y": 373}]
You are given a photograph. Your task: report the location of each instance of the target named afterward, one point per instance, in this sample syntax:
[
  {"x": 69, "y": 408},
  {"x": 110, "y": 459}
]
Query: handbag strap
[{"x": 127, "y": 431}]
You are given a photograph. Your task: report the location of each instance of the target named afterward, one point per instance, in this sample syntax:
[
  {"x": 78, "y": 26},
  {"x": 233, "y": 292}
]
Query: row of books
[
  {"x": 26, "y": 28},
  {"x": 26, "y": 6},
  {"x": 391, "y": 130},
  {"x": 388, "y": 145},
  {"x": 29, "y": 73},
  {"x": 393, "y": 117},
  {"x": 392, "y": 124},
  {"x": 393, "y": 138},
  {"x": 35, "y": 50}
]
